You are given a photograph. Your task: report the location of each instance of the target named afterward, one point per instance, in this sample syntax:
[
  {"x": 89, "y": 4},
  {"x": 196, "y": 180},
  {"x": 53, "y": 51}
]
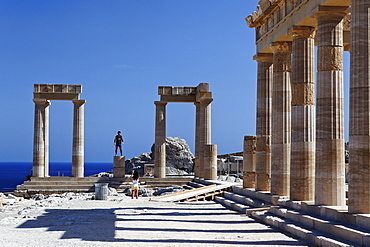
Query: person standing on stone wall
[{"x": 118, "y": 141}]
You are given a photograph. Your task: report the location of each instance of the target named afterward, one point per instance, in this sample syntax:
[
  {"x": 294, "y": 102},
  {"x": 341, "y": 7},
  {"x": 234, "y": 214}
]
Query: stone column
[
  {"x": 359, "y": 134},
  {"x": 78, "y": 139},
  {"x": 249, "y": 161},
  {"x": 46, "y": 124},
  {"x": 281, "y": 119},
  {"x": 205, "y": 131},
  {"x": 302, "y": 161},
  {"x": 197, "y": 139},
  {"x": 160, "y": 140},
  {"x": 40, "y": 137},
  {"x": 210, "y": 162},
  {"x": 263, "y": 123},
  {"x": 330, "y": 154},
  {"x": 119, "y": 166}
]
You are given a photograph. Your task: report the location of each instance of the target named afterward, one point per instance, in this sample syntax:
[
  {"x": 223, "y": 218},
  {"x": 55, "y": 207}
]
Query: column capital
[
  {"x": 205, "y": 101},
  {"x": 160, "y": 103},
  {"x": 303, "y": 32},
  {"x": 263, "y": 57},
  {"x": 79, "y": 102},
  {"x": 281, "y": 47},
  {"x": 42, "y": 101},
  {"x": 331, "y": 13}
]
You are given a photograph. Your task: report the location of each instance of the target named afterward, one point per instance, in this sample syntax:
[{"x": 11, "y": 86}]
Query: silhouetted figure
[{"x": 118, "y": 141}]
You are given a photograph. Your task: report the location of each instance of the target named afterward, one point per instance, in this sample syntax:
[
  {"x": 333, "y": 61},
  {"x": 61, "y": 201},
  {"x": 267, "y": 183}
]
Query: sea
[{"x": 14, "y": 173}]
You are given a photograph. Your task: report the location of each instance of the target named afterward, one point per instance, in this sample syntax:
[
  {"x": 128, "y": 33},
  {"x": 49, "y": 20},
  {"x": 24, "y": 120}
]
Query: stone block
[
  {"x": 322, "y": 225},
  {"x": 299, "y": 232},
  {"x": 331, "y": 212},
  {"x": 347, "y": 233}
]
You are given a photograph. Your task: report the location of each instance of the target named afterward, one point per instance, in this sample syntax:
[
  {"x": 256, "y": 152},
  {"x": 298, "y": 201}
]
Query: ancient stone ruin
[
  {"x": 43, "y": 93},
  {"x": 205, "y": 153},
  {"x": 298, "y": 150}
]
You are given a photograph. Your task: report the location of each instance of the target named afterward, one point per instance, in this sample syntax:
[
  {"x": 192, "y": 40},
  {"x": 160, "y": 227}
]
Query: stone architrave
[
  {"x": 330, "y": 152},
  {"x": 264, "y": 117},
  {"x": 302, "y": 161},
  {"x": 359, "y": 133},
  {"x": 249, "y": 161},
  {"x": 160, "y": 140},
  {"x": 281, "y": 118},
  {"x": 40, "y": 137},
  {"x": 78, "y": 139}
]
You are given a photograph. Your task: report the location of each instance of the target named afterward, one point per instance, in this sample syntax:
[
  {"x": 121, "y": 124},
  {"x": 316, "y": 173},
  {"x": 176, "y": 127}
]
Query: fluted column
[
  {"x": 205, "y": 131},
  {"x": 40, "y": 137},
  {"x": 359, "y": 134},
  {"x": 263, "y": 121},
  {"x": 210, "y": 162},
  {"x": 249, "y": 161},
  {"x": 330, "y": 155},
  {"x": 160, "y": 140},
  {"x": 281, "y": 118},
  {"x": 46, "y": 124},
  {"x": 302, "y": 161},
  {"x": 197, "y": 139},
  {"x": 78, "y": 138}
]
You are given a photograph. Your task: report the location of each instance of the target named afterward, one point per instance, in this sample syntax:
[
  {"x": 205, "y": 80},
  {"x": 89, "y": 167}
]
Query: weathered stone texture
[
  {"x": 330, "y": 111},
  {"x": 359, "y": 135},
  {"x": 249, "y": 161},
  {"x": 281, "y": 118}
]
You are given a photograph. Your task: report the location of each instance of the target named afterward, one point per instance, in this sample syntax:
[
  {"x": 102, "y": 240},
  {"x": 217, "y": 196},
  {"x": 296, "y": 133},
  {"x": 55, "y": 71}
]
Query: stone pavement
[{"x": 121, "y": 221}]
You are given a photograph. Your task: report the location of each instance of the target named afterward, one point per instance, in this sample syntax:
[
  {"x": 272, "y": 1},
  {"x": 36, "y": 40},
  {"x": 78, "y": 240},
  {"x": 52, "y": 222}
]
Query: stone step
[
  {"x": 244, "y": 198},
  {"x": 57, "y": 187},
  {"x": 334, "y": 228},
  {"x": 260, "y": 198},
  {"x": 230, "y": 204},
  {"x": 314, "y": 236}
]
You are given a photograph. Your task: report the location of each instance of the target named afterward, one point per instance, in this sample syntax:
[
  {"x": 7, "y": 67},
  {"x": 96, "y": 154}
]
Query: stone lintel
[
  {"x": 164, "y": 90},
  {"x": 178, "y": 98},
  {"x": 56, "y": 96},
  {"x": 57, "y": 91}
]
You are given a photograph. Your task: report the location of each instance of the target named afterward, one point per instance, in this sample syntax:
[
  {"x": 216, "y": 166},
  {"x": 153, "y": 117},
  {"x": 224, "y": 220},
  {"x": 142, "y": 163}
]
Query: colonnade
[
  {"x": 43, "y": 93},
  {"x": 205, "y": 161},
  {"x": 298, "y": 151}
]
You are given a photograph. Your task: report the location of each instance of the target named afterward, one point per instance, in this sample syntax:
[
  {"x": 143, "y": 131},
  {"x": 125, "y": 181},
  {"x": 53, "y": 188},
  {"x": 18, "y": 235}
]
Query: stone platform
[{"x": 50, "y": 185}]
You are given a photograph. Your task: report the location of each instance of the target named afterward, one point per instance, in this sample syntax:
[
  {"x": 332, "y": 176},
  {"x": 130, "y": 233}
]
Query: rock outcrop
[{"x": 179, "y": 159}]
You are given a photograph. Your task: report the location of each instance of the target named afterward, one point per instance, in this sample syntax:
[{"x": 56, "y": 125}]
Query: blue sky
[{"x": 121, "y": 51}]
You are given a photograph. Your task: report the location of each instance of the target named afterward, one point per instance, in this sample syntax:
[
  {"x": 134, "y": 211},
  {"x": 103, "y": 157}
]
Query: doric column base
[{"x": 249, "y": 180}]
